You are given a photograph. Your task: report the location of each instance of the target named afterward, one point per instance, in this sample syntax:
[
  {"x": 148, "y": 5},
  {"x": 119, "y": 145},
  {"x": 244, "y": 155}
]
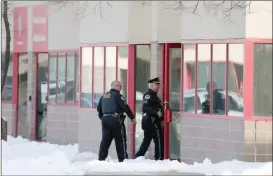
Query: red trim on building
[
  {"x": 131, "y": 91},
  {"x": 15, "y": 91},
  {"x": 40, "y": 28},
  {"x": 248, "y": 80},
  {"x": 20, "y": 29}
]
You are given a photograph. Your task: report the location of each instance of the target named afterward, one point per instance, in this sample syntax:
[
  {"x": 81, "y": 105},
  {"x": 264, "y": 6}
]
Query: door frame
[{"x": 165, "y": 60}]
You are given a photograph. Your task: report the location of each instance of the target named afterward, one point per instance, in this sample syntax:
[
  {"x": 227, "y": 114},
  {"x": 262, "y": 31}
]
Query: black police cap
[{"x": 154, "y": 80}]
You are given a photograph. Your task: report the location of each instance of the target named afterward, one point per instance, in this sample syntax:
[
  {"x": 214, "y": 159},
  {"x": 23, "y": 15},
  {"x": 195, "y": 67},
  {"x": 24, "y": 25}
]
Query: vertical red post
[
  {"x": 131, "y": 91},
  {"x": 15, "y": 88},
  {"x": 166, "y": 98},
  {"x": 248, "y": 79}
]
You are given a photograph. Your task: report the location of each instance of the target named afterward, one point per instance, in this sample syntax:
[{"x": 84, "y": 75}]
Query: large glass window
[
  {"x": 86, "y": 77},
  {"x": 7, "y": 91},
  {"x": 63, "y": 78},
  {"x": 218, "y": 92},
  {"x": 262, "y": 83},
  {"x": 175, "y": 78},
  {"x": 142, "y": 74},
  {"x": 189, "y": 77},
  {"x": 203, "y": 76},
  {"x": 235, "y": 79},
  {"x": 205, "y": 88},
  {"x": 100, "y": 66}
]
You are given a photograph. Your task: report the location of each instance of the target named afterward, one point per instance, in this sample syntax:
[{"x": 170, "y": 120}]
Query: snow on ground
[{"x": 23, "y": 157}]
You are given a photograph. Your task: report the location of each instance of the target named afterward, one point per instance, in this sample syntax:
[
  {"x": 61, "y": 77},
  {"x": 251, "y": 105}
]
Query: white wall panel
[
  {"x": 205, "y": 24},
  {"x": 259, "y": 21},
  {"x": 106, "y": 24}
]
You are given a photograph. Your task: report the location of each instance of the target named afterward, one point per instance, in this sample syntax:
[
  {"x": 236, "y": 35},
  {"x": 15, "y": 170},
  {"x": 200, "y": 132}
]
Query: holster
[{"x": 146, "y": 121}]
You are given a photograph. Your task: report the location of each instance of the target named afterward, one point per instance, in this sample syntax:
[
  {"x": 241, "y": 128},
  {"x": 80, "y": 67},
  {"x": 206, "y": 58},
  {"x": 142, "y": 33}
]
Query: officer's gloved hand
[
  {"x": 134, "y": 121},
  {"x": 159, "y": 113}
]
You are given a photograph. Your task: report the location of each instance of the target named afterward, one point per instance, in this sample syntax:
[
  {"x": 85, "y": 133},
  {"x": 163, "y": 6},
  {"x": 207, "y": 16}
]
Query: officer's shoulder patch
[
  {"x": 223, "y": 96},
  {"x": 122, "y": 98},
  {"x": 147, "y": 97},
  {"x": 107, "y": 95}
]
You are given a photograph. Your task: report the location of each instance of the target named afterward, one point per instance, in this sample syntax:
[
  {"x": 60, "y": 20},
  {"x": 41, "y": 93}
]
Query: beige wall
[
  {"x": 135, "y": 22},
  {"x": 259, "y": 21}
]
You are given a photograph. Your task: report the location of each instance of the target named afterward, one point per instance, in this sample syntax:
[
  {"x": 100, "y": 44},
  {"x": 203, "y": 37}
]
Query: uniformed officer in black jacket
[
  {"x": 218, "y": 101},
  {"x": 151, "y": 121},
  {"x": 110, "y": 109}
]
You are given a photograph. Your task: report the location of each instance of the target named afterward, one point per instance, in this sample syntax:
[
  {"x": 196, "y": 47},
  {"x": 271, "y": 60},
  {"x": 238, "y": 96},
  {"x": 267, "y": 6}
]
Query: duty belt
[{"x": 112, "y": 114}]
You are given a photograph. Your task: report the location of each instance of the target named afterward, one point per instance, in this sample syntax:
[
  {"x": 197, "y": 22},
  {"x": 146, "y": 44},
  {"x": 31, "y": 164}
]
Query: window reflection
[
  {"x": 175, "y": 78},
  {"x": 123, "y": 68},
  {"x": 7, "y": 91},
  {"x": 262, "y": 83},
  {"x": 77, "y": 77},
  {"x": 218, "y": 91},
  {"x": 235, "y": 80},
  {"x": 203, "y": 77},
  {"x": 189, "y": 78},
  {"x": 61, "y": 78},
  {"x": 98, "y": 74},
  {"x": 70, "y": 77},
  {"x": 86, "y": 83},
  {"x": 110, "y": 67},
  {"x": 142, "y": 73},
  {"x": 52, "y": 78}
]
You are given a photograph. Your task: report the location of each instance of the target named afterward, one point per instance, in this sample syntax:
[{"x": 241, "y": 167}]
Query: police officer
[
  {"x": 151, "y": 121},
  {"x": 218, "y": 100},
  {"x": 110, "y": 109}
]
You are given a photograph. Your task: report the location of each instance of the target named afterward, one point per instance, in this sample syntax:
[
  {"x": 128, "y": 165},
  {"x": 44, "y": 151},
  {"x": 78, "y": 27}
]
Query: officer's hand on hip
[{"x": 159, "y": 113}]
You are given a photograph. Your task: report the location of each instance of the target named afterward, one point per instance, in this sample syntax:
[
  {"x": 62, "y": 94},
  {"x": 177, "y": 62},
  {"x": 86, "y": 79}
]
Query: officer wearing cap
[
  {"x": 111, "y": 107},
  {"x": 151, "y": 121}
]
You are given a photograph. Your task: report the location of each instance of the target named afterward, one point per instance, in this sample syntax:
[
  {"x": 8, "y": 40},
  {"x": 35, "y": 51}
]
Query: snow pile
[{"x": 23, "y": 157}]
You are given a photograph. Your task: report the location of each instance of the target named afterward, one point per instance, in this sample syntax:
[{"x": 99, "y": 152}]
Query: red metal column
[
  {"x": 15, "y": 92},
  {"x": 166, "y": 98},
  {"x": 131, "y": 91}
]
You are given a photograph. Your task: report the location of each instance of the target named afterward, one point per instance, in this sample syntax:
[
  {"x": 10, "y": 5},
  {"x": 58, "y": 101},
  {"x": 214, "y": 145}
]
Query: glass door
[
  {"x": 172, "y": 66},
  {"x": 41, "y": 96}
]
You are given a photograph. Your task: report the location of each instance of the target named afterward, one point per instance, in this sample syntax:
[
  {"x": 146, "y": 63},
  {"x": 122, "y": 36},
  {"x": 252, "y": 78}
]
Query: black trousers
[
  {"x": 153, "y": 131},
  {"x": 112, "y": 129}
]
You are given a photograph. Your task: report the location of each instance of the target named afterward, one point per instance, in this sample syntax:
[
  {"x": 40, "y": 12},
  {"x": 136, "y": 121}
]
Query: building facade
[{"x": 64, "y": 58}]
